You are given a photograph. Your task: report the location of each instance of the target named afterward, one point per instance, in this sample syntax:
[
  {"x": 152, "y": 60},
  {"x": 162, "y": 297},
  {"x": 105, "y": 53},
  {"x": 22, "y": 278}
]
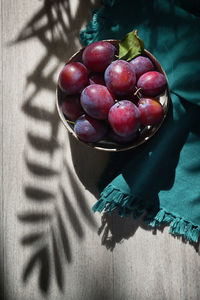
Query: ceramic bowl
[{"x": 105, "y": 145}]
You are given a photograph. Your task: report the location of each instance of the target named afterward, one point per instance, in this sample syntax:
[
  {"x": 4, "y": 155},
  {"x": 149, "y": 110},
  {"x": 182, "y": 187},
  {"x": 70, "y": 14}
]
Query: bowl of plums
[{"x": 113, "y": 95}]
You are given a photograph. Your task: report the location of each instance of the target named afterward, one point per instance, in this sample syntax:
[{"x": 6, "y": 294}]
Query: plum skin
[
  {"x": 152, "y": 83},
  {"x": 73, "y": 78},
  {"x": 98, "y": 55},
  {"x": 71, "y": 107},
  {"x": 96, "y": 101},
  {"x": 151, "y": 111},
  {"x": 90, "y": 130},
  {"x": 123, "y": 139},
  {"x": 120, "y": 77},
  {"x": 124, "y": 118},
  {"x": 141, "y": 65}
]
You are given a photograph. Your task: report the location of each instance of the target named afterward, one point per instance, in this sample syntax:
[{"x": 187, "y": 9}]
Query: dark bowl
[{"x": 105, "y": 145}]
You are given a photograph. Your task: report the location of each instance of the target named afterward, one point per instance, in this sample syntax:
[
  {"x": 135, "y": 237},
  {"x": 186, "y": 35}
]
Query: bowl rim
[{"x": 123, "y": 147}]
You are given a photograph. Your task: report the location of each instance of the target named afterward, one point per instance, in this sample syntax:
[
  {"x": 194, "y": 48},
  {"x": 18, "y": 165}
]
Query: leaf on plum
[{"x": 130, "y": 46}]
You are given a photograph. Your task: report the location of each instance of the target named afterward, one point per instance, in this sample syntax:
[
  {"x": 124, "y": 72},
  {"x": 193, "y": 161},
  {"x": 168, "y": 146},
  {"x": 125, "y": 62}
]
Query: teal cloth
[{"x": 161, "y": 179}]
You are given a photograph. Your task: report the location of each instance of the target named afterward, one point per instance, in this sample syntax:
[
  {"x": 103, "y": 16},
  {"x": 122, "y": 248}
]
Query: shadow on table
[
  {"x": 149, "y": 169},
  {"x": 89, "y": 164},
  {"x": 3, "y": 287},
  {"x": 115, "y": 229},
  {"x": 50, "y": 247},
  {"x": 49, "y": 27}
]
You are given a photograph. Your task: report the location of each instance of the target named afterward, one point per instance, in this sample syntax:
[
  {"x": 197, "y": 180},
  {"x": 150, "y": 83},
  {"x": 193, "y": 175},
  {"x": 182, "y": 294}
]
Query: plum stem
[
  {"x": 70, "y": 122},
  {"x": 136, "y": 93}
]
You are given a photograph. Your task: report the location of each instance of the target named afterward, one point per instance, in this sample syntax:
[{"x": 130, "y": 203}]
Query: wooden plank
[
  {"x": 1, "y": 169},
  {"x": 154, "y": 266},
  {"x": 51, "y": 244}
]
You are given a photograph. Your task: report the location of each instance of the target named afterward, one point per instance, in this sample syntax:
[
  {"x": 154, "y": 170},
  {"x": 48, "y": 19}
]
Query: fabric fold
[{"x": 160, "y": 179}]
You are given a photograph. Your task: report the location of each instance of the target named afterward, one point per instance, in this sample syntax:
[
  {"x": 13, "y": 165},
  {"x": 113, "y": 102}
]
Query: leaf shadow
[
  {"x": 57, "y": 262},
  {"x": 64, "y": 237},
  {"x": 34, "y": 217},
  {"x": 71, "y": 213},
  {"x": 42, "y": 258},
  {"x": 43, "y": 144},
  {"x": 31, "y": 238},
  {"x": 38, "y": 194},
  {"x": 59, "y": 38},
  {"x": 80, "y": 198},
  {"x": 40, "y": 170}
]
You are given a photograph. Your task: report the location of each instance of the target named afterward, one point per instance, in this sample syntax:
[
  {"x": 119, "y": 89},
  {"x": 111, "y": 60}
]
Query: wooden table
[{"x": 52, "y": 246}]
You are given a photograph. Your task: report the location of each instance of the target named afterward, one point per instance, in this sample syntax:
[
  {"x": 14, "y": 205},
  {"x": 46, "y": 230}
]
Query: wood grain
[
  {"x": 52, "y": 246},
  {"x": 1, "y": 169}
]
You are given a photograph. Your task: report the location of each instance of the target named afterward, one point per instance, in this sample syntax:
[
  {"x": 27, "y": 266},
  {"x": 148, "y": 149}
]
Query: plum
[
  {"x": 96, "y": 101},
  {"x": 98, "y": 55},
  {"x": 71, "y": 107},
  {"x": 73, "y": 78},
  {"x": 141, "y": 65},
  {"x": 90, "y": 130},
  {"x": 152, "y": 83},
  {"x": 124, "y": 118},
  {"x": 151, "y": 111},
  {"x": 122, "y": 139},
  {"x": 120, "y": 78}
]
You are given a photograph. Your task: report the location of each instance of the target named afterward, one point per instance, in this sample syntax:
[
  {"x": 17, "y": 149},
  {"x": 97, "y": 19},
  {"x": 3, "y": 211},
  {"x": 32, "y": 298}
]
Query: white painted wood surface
[{"x": 50, "y": 246}]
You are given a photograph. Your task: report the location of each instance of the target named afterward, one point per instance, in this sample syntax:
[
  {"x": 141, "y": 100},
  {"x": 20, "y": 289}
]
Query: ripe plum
[
  {"x": 98, "y": 55},
  {"x": 141, "y": 65},
  {"x": 123, "y": 139},
  {"x": 90, "y": 130},
  {"x": 152, "y": 83},
  {"x": 151, "y": 111},
  {"x": 124, "y": 118},
  {"x": 73, "y": 78},
  {"x": 96, "y": 101},
  {"x": 71, "y": 107},
  {"x": 120, "y": 78}
]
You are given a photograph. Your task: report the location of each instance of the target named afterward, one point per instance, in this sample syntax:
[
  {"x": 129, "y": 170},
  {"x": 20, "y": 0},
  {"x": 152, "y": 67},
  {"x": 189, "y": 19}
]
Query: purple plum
[
  {"x": 96, "y": 101},
  {"x": 151, "y": 111},
  {"x": 98, "y": 55},
  {"x": 152, "y": 83},
  {"x": 141, "y": 65},
  {"x": 120, "y": 78},
  {"x": 90, "y": 130},
  {"x": 73, "y": 78},
  {"x": 124, "y": 118}
]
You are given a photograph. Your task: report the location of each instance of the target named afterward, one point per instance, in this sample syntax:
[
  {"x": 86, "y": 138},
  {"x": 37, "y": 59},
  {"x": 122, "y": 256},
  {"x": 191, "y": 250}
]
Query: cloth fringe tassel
[
  {"x": 178, "y": 226},
  {"x": 113, "y": 199}
]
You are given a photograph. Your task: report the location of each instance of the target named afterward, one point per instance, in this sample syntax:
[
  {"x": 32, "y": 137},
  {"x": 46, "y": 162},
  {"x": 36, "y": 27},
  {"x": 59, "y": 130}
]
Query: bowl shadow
[{"x": 89, "y": 164}]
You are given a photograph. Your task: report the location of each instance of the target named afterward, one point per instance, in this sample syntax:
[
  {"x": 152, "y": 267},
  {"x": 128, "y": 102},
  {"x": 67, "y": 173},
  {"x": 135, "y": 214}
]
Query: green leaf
[{"x": 130, "y": 46}]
